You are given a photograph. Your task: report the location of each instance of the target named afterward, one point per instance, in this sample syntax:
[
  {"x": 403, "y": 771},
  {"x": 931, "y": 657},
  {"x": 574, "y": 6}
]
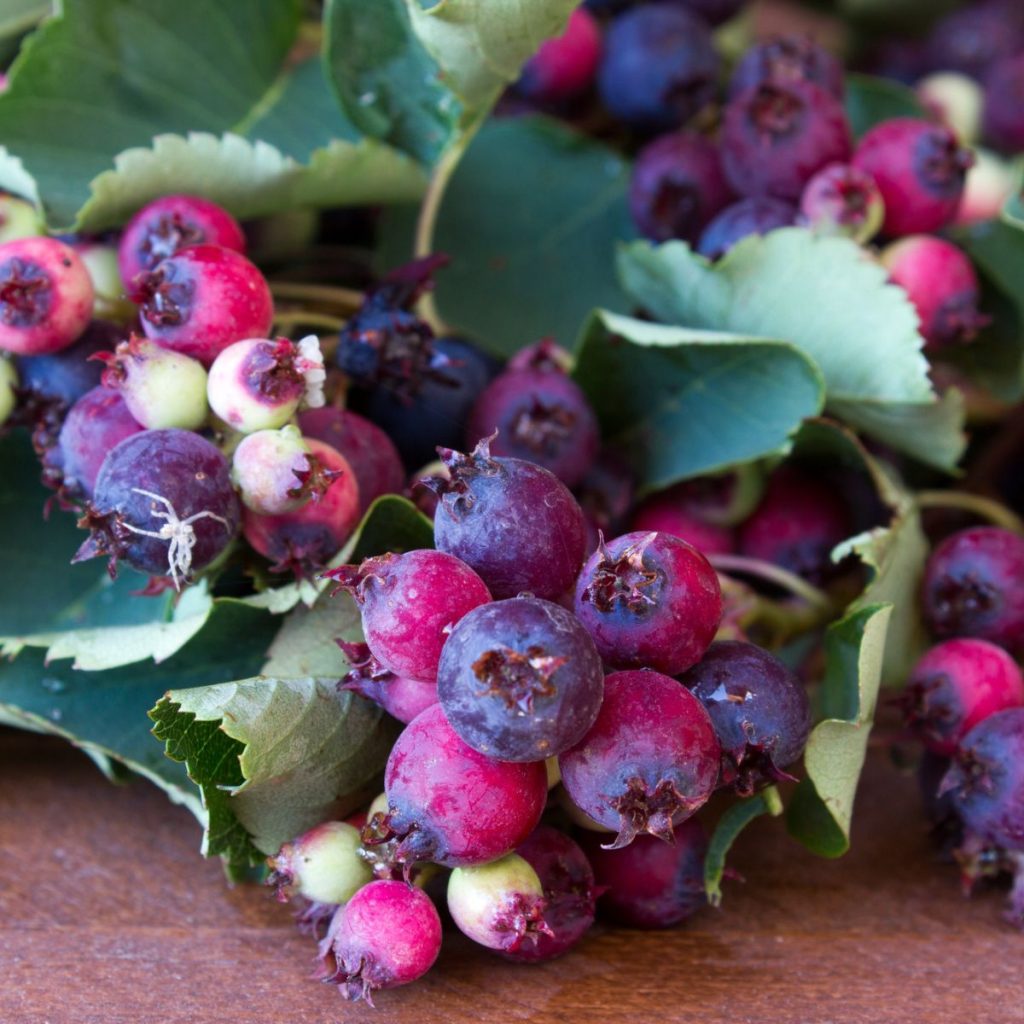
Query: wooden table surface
[{"x": 109, "y": 916}]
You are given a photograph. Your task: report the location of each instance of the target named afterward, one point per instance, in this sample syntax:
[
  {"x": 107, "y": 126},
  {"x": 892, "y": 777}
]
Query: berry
[
  {"x": 606, "y": 496},
  {"x": 659, "y": 67},
  {"x": 161, "y": 388},
  {"x": 514, "y": 523},
  {"x": 520, "y": 680},
  {"x": 670, "y": 512},
  {"x": 541, "y": 416},
  {"x": 8, "y": 382},
  {"x": 564, "y": 67},
  {"x": 45, "y": 296},
  {"x": 788, "y": 59},
  {"x": 956, "y": 101},
  {"x": 974, "y": 586},
  {"x": 651, "y": 884},
  {"x": 169, "y": 224},
  {"x": 990, "y": 183},
  {"x": 368, "y": 450},
  {"x": 275, "y": 472},
  {"x": 409, "y": 603},
  {"x": 843, "y": 200},
  {"x": 163, "y": 503},
  {"x": 649, "y": 761},
  {"x": 797, "y": 524},
  {"x": 401, "y": 698},
  {"x": 940, "y": 282},
  {"x": 500, "y": 905},
  {"x": 777, "y": 135},
  {"x": 986, "y": 780},
  {"x": 94, "y": 425},
  {"x": 109, "y": 291},
  {"x": 569, "y": 893},
  {"x": 919, "y": 169},
  {"x": 677, "y": 187},
  {"x": 68, "y": 374},
  {"x": 714, "y": 12},
  {"x": 956, "y": 685},
  {"x": 203, "y": 299},
  {"x": 258, "y": 384},
  {"x": 19, "y": 218},
  {"x": 322, "y": 865},
  {"x": 449, "y": 804},
  {"x": 649, "y": 600},
  {"x": 387, "y": 935},
  {"x": 306, "y": 538},
  {"x": 742, "y": 219},
  {"x": 974, "y": 38},
  {"x": 1004, "y": 104},
  {"x": 759, "y": 709}
]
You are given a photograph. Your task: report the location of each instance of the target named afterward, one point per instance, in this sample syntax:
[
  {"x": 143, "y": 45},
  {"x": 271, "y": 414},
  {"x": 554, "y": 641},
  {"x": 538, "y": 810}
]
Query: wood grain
[{"x": 109, "y": 916}]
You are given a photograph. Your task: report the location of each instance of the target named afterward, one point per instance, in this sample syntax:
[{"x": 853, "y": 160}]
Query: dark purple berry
[
  {"x": 974, "y": 38},
  {"x": 788, "y": 59},
  {"x": 714, "y": 12},
  {"x": 742, "y": 219},
  {"x": 1004, "y": 104},
  {"x": 68, "y": 374}
]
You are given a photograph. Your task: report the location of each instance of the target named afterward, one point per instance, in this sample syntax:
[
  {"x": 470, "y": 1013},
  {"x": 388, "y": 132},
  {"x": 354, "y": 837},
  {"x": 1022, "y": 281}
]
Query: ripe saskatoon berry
[
  {"x": 500, "y": 904},
  {"x": 163, "y": 503},
  {"x": 940, "y": 282},
  {"x": 409, "y": 603},
  {"x": 651, "y": 884},
  {"x": 19, "y": 218},
  {"x": 304, "y": 539},
  {"x": 777, "y": 135},
  {"x": 258, "y": 384},
  {"x": 759, "y": 709},
  {"x": 741, "y": 220},
  {"x": 369, "y": 451},
  {"x": 714, "y": 12},
  {"x": 68, "y": 374},
  {"x": 606, "y": 496},
  {"x": 45, "y": 296},
  {"x": 971, "y": 40},
  {"x": 400, "y": 697},
  {"x": 202, "y": 299},
  {"x": 520, "y": 680},
  {"x": 387, "y": 935},
  {"x": 569, "y": 893},
  {"x": 1004, "y": 104},
  {"x": 974, "y": 586},
  {"x": 677, "y": 187},
  {"x": 843, "y": 200},
  {"x": 649, "y": 600},
  {"x": 165, "y": 226},
  {"x": 986, "y": 780},
  {"x": 649, "y": 761},
  {"x": 670, "y": 512},
  {"x": 275, "y": 472},
  {"x": 919, "y": 169},
  {"x": 451, "y": 805},
  {"x": 956, "y": 685},
  {"x": 788, "y": 59},
  {"x": 513, "y": 522},
  {"x": 541, "y": 416},
  {"x": 322, "y": 865},
  {"x": 659, "y": 67},
  {"x": 564, "y": 67}
]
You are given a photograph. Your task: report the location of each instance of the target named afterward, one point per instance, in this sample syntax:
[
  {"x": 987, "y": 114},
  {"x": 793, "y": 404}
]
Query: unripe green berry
[
  {"x": 110, "y": 300},
  {"x": 323, "y": 865},
  {"x": 8, "y": 382},
  {"x": 274, "y": 471},
  {"x": 19, "y": 218}
]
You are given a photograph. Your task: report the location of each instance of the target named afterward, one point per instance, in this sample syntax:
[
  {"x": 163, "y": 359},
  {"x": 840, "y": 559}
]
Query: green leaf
[
  {"x": 821, "y": 810},
  {"x": 530, "y": 217},
  {"x": 304, "y": 646},
  {"x": 870, "y": 100},
  {"x": 729, "y": 826},
  {"x": 1013, "y": 212},
  {"x": 683, "y": 402},
  {"x": 260, "y": 786},
  {"x": 829, "y": 300},
  {"x": 18, "y": 16}
]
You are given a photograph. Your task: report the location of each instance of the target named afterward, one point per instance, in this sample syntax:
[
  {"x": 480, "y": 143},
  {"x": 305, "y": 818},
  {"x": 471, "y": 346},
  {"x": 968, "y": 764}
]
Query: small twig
[
  {"x": 288, "y": 318},
  {"x": 985, "y": 508},
  {"x": 771, "y": 573},
  {"x": 331, "y": 295}
]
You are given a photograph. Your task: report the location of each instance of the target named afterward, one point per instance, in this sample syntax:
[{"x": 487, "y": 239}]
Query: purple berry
[
  {"x": 569, "y": 893},
  {"x": 451, "y": 805},
  {"x": 513, "y": 522},
  {"x": 275, "y": 472},
  {"x": 742, "y": 219},
  {"x": 163, "y": 503},
  {"x": 986, "y": 780},
  {"x": 649, "y": 600},
  {"x": 322, "y": 865},
  {"x": 777, "y": 135},
  {"x": 670, "y": 512},
  {"x": 1004, "y": 104},
  {"x": 651, "y": 884},
  {"x": 400, "y": 697},
  {"x": 659, "y": 67},
  {"x": 788, "y": 59},
  {"x": 843, "y": 200},
  {"x": 564, "y": 67},
  {"x": 974, "y": 586},
  {"x": 919, "y": 168},
  {"x": 203, "y": 299},
  {"x": 606, "y": 496},
  {"x": 940, "y": 282},
  {"x": 387, "y": 935},
  {"x": 956, "y": 685},
  {"x": 649, "y": 761},
  {"x": 46, "y": 296},
  {"x": 677, "y": 187},
  {"x": 971, "y": 40},
  {"x": 409, "y": 604},
  {"x": 520, "y": 680},
  {"x": 68, "y": 374},
  {"x": 759, "y": 709},
  {"x": 714, "y": 12}
]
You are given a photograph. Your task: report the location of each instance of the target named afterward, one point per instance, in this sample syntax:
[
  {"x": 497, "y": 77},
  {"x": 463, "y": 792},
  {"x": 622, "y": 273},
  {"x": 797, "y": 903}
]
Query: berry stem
[
  {"x": 342, "y": 298},
  {"x": 309, "y": 319},
  {"x": 986, "y": 508},
  {"x": 771, "y": 573}
]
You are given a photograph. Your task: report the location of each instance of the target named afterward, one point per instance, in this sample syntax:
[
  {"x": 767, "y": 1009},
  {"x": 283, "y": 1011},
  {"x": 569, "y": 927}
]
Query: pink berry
[
  {"x": 563, "y": 67},
  {"x": 46, "y": 296},
  {"x": 202, "y": 299},
  {"x": 669, "y": 512},
  {"x": 400, "y": 697},
  {"x": 1004, "y": 104}
]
